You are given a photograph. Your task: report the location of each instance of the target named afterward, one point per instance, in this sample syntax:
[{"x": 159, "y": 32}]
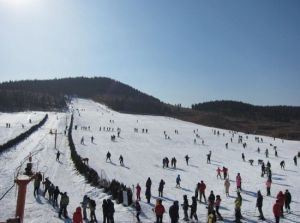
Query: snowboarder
[
  {"x": 202, "y": 188},
  {"x": 148, "y": 190},
  {"x": 277, "y": 211},
  {"x": 161, "y": 188},
  {"x": 227, "y": 185},
  {"x": 259, "y": 204},
  {"x": 185, "y": 207},
  {"x": 174, "y": 212},
  {"x": 187, "y": 159},
  {"x": 77, "y": 217},
  {"x": 138, "y": 192},
  {"x": 288, "y": 200},
  {"x": 121, "y": 160},
  {"x": 178, "y": 181},
  {"x": 108, "y": 155},
  {"x": 57, "y": 156},
  {"x": 238, "y": 182},
  {"x": 194, "y": 209},
  {"x": 159, "y": 211}
]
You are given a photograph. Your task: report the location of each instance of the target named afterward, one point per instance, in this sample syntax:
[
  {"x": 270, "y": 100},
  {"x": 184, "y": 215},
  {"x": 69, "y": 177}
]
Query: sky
[{"x": 178, "y": 51}]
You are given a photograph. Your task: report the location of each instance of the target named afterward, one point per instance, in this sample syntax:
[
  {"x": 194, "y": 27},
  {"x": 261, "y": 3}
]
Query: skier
[
  {"x": 238, "y": 205},
  {"x": 92, "y": 206},
  {"x": 161, "y": 188},
  {"x": 202, "y": 188},
  {"x": 159, "y": 211},
  {"x": 138, "y": 210},
  {"x": 178, "y": 181},
  {"x": 84, "y": 205},
  {"x": 227, "y": 185},
  {"x": 238, "y": 182},
  {"x": 110, "y": 211},
  {"x": 185, "y": 207},
  {"x": 77, "y": 217},
  {"x": 82, "y": 140},
  {"x": 174, "y": 212},
  {"x": 138, "y": 192},
  {"x": 268, "y": 186},
  {"x": 288, "y": 200},
  {"x": 187, "y": 159},
  {"x": 105, "y": 211},
  {"x": 282, "y": 164},
  {"x": 276, "y": 154},
  {"x": 148, "y": 190},
  {"x": 57, "y": 155},
  {"x": 92, "y": 139},
  {"x": 121, "y": 160},
  {"x": 243, "y": 157},
  {"x": 219, "y": 173},
  {"x": 263, "y": 169},
  {"x": 108, "y": 155},
  {"x": 64, "y": 201},
  {"x": 258, "y": 150},
  {"x": 259, "y": 204},
  {"x": 217, "y": 205},
  {"x": 295, "y": 160},
  {"x": 194, "y": 209},
  {"x": 37, "y": 183},
  {"x": 277, "y": 211}
]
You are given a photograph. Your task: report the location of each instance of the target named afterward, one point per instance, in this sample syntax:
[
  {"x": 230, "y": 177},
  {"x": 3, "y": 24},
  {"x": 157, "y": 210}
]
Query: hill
[{"x": 53, "y": 95}]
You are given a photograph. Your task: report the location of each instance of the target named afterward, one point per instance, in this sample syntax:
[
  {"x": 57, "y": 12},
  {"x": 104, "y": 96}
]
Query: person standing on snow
[
  {"x": 217, "y": 205},
  {"x": 57, "y": 155},
  {"x": 219, "y": 173},
  {"x": 202, "y": 188},
  {"x": 238, "y": 205},
  {"x": 238, "y": 182},
  {"x": 194, "y": 209},
  {"x": 159, "y": 211},
  {"x": 174, "y": 212},
  {"x": 148, "y": 190},
  {"x": 288, "y": 200},
  {"x": 281, "y": 198},
  {"x": 277, "y": 211},
  {"x": 259, "y": 204},
  {"x": 84, "y": 205},
  {"x": 161, "y": 188},
  {"x": 178, "y": 179},
  {"x": 227, "y": 185},
  {"x": 187, "y": 159},
  {"x": 138, "y": 192},
  {"x": 77, "y": 217},
  {"x": 185, "y": 207}
]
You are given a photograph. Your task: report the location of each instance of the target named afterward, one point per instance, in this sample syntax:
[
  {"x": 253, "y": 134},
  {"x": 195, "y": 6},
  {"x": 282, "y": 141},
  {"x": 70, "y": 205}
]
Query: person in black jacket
[
  {"x": 259, "y": 204},
  {"x": 138, "y": 210},
  {"x": 161, "y": 188},
  {"x": 194, "y": 209},
  {"x": 185, "y": 207},
  {"x": 110, "y": 211},
  {"x": 174, "y": 212},
  {"x": 288, "y": 200},
  {"x": 148, "y": 189},
  {"x": 105, "y": 211},
  {"x": 56, "y": 192}
]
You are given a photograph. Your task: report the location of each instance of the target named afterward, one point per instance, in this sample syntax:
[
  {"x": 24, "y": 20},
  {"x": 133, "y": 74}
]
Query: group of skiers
[{"x": 166, "y": 162}]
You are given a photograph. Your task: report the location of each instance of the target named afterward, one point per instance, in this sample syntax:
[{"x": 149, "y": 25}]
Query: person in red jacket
[
  {"x": 138, "y": 192},
  {"x": 281, "y": 198},
  {"x": 77, "y": 217},
  {"x": 277, "y": 211},
  {"x": 202, "y": 188},
  {"x": 159, "y": 211}
]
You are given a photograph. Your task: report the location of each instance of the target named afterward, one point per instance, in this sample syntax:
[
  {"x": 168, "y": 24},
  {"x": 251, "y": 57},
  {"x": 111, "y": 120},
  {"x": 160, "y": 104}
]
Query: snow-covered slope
[
  {"x": 19, "y": 123},
  {"x": 143, "y": 154}
]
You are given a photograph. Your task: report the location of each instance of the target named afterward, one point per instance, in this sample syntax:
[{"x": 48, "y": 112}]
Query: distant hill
[{"x": 53, "y": 95}]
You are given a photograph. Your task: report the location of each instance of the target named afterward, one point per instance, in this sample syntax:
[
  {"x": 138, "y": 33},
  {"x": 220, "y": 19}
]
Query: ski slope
[
  {"x": 19, "y": 122},
  {"x": 143, "y": 154}
]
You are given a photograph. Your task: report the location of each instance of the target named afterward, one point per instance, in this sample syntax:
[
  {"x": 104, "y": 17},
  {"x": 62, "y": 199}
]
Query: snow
[{"x": 143, "y": 154}]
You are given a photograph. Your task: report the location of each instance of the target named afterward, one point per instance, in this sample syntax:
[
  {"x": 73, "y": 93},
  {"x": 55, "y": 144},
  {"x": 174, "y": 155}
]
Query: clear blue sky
[{"x": 179, "y": 51}]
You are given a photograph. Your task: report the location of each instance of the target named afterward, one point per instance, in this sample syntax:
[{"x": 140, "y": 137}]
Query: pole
[{"x": 22, "y": 182}]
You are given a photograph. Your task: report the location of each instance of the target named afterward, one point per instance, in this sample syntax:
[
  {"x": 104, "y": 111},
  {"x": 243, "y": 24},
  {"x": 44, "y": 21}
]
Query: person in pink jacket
[{"x": 238, "y": 182}]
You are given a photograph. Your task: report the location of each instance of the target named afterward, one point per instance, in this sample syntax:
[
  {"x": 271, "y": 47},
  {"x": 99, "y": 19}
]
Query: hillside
[
  {"x": 143, "y": 153},
  {"x": 53, "y": 95}
]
